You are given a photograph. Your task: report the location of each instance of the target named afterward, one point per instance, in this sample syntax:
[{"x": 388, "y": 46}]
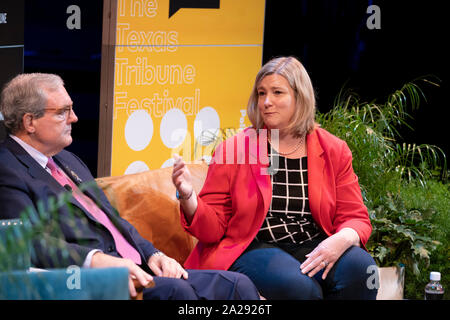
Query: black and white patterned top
[{"x": 289, "y": 218}]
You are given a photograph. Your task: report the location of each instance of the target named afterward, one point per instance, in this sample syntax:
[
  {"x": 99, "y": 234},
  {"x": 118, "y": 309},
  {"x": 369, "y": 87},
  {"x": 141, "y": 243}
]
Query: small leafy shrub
[{"x": 404, "y": 185}]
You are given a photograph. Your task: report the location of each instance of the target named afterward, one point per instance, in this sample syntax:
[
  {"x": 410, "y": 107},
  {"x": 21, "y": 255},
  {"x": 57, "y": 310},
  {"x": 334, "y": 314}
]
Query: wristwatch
[{"x": 158, "y": 253}]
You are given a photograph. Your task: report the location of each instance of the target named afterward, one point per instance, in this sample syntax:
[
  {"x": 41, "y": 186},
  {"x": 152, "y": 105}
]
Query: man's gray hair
[{"x": 26, "y": 93}]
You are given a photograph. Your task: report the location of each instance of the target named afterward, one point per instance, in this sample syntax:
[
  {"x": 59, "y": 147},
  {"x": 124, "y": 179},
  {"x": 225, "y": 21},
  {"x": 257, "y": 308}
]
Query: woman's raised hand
[{"x": 181, "y": 178}]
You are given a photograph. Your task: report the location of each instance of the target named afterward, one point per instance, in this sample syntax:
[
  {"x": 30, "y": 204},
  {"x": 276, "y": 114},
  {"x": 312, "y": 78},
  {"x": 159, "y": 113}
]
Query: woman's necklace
[{"x": 300, "y": 143}]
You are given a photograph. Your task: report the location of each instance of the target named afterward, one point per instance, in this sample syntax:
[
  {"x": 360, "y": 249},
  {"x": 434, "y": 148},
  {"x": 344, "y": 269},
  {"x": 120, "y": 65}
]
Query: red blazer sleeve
[
  {"x": 350, "y": 209},
  {"x": 214, "y": 204}
]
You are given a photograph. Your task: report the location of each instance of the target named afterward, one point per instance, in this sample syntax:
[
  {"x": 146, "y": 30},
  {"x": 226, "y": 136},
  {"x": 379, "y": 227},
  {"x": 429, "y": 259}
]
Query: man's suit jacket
[
  {"x": 23, "y": 183},
  {"x": 236, "y": 197}
]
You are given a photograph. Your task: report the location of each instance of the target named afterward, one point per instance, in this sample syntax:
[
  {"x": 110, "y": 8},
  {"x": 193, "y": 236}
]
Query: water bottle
[{"x": 434, "y": 289}]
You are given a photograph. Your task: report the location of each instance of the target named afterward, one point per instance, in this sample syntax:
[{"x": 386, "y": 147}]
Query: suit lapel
[
  {"x": 33, "y": 168},
  {"x": 87, "y": 189},
  {"x": 70, "y": 173},
  {"x": 316, "y": 166}
]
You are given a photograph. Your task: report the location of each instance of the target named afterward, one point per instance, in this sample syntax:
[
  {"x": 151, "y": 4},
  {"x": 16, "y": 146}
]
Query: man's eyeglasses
[{"x": 61, "y": 113}]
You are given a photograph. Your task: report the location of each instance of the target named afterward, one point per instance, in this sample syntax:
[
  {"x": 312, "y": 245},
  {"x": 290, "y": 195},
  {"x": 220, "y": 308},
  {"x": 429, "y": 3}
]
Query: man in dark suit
[{"x": 38, "y": 115}]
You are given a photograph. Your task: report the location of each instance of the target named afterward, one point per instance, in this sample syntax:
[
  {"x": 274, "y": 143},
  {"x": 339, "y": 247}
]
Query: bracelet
[
  {"x": 179, "y": 197},
  {"x": 158, "y": 253}
]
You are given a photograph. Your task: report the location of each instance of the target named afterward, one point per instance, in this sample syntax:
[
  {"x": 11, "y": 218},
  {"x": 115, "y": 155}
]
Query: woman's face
[{"x": 276, "y": 101}]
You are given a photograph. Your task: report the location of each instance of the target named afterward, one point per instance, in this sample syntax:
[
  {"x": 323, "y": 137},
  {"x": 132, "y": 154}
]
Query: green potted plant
[{"x": 404, "y": 236}]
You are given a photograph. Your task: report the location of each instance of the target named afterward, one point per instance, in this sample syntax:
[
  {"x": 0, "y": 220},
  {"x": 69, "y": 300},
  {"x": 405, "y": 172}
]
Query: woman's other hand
[{"x": 328, "y": 252}]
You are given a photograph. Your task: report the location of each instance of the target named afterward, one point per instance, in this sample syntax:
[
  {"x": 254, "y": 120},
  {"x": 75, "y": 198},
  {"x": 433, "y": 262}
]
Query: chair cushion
[{"x": 147, "y": 200}]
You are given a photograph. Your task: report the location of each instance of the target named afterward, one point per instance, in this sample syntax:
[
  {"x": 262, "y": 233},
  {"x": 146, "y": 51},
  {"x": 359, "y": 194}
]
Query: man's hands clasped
[{"x": 161, "y": 265}]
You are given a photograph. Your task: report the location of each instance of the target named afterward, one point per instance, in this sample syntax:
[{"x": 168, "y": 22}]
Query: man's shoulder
[
  {"x": 69, "y": 157},
  {"x": 72, "y": 161},
  {"x": 65, "y": 154},
  {"x": 11, "y": 169},
  {"x": 6, "y": 155}
]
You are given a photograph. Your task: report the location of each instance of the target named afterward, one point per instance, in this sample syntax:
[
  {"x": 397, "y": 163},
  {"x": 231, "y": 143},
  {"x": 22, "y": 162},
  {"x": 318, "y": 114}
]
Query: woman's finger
[
  {"x": 318, "y": 266},
  {"x": 177, "y": 174},
  {"x": 312, "y": 256},
  {"x": 327, "y": 269}
]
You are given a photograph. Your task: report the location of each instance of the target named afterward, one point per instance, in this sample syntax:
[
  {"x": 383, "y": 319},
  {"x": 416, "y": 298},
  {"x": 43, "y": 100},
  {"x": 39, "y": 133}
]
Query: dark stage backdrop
[
  {"x": 65, "y": 37},
  {"x": 331, "y": 38},
  {"x": 11, "y": 39}
]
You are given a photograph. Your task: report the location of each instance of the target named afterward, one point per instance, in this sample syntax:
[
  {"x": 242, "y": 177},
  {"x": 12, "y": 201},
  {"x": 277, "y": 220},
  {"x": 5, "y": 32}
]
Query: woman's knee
[
  {"x": 350, "y": 277},
  {"x": 277, "y": 275},
  {"x": 358, "y": 262}
]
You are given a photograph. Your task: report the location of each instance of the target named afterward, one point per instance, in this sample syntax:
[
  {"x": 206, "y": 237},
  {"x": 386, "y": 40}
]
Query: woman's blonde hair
[{"x": 290, "y": 68}]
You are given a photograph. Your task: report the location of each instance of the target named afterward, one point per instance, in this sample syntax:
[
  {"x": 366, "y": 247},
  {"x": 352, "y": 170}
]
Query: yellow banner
[{"x": 179, "y": 77}]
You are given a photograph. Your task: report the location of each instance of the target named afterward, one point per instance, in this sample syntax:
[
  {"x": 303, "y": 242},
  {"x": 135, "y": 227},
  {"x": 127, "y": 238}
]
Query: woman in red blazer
[{"x": 281, "y": 202}]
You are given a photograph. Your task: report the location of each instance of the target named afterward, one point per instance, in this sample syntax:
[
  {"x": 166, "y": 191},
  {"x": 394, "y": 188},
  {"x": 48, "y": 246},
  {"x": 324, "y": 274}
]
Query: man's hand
[
  {"x": 101, "y": 260},
  {"x": 163, "y": 266}
]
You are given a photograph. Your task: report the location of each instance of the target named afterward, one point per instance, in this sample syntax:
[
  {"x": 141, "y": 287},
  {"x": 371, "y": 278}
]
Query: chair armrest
[
  {"x": 73, "y": 283},
  {"x": 14, "y": 245}
]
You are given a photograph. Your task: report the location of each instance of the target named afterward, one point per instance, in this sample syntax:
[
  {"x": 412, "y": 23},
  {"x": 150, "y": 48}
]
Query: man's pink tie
[{"x": 122, "y": 245}]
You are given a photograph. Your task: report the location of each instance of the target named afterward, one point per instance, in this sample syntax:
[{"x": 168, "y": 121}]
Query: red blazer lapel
[
  {"x": 263, "y": 182},
  {"x": 259, "y": 163},
  {"x": 316, "y": 165}
]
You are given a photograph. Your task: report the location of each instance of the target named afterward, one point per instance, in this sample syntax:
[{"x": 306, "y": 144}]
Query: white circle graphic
[
  {"x": 137, "y": 166},
  {"x": 173, "y": 128},
  {"x": 139, "y": 130},
  {"x": 168, "y": 163},
  {"x": 206, "y": 125}
]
